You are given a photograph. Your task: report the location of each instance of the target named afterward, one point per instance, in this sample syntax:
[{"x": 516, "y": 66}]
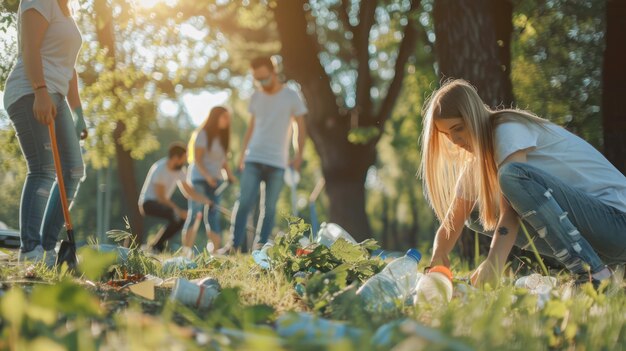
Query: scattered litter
[
  {"x": 435, "y": 286},
  {"x": 144, "y": 289},
  {"x": 396, "y": 282},
  {"x": 312, "y": 329},
  {"x": 126, "y": 281},
  {"x": 393, "y": 333},
  {"x": 386, "y": 254},
  {"x": 539, "y": 285},
  {"x": 261, "y": 257},
  {"x": 179, "y": 263},
  {"x": 331, "y": 232},
  {"x": 156, "y": 280},
  {"x": 199, "y": 294}
]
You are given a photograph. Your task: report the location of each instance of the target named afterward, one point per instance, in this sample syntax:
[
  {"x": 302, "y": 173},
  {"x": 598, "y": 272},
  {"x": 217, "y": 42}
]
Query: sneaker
[
  {"x": 595, "y": 279},
  {"x": 34, "y": 256},
  {"x": 186, "y": 252},
  {"x": 50, "y": 258},
  {"x": 226, "y": 250}
]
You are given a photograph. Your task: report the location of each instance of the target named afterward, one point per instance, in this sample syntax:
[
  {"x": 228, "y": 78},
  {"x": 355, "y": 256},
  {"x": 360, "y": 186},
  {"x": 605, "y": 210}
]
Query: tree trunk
[
  {"x": 473, "y": 42},
  {"x": 344, "y": 165},
  {"x": 614, "y": 90},
  {"x": 125, "y": 163}
]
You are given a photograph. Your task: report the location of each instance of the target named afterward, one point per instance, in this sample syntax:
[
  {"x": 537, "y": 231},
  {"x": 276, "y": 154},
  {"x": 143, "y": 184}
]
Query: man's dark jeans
[{"x": 175, "y": 223}]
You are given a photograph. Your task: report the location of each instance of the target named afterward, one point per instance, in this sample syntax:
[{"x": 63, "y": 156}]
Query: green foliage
[
  {"x": 363, "y": 135},
  {"x": 93, "y": 264},
  {"x": 556, "y": 62},
  {"x": 287, "y": 255}
]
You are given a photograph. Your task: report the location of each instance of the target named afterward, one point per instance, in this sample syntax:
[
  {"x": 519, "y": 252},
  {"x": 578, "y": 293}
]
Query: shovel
[{"x": 67, "y": 251}]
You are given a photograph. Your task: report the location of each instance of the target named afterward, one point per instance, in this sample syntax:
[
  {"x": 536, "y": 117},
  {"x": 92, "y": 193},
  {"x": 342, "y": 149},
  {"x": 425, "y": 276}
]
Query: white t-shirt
[
  {"x": 59, "y": 49},
  {"x": 160, "y": 174},
  {"x": 269, "y": 144},
  {"x": 213, "y": 159},
  {"x": 565, "y": 156}
]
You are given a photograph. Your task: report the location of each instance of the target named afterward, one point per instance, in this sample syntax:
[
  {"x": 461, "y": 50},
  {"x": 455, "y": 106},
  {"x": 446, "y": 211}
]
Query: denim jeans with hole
[
  {"x": 575, "y": 228},
  {"x": 253, "y": 174},
  {"x": 41, "y": 213}
]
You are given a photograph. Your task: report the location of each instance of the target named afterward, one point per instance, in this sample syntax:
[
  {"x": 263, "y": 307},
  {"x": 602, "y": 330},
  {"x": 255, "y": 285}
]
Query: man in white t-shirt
[
  {"x": 273, "y": 108},
  {"x": 155, "y": 199}
]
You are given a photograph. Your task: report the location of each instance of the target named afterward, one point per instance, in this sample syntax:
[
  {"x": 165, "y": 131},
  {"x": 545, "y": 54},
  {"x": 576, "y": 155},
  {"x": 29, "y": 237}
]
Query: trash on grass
[
  {"x": 435, "y": 286},
  {"x": 312, "y": 329},
  {"x": 261, "y": 257},
  {"x": 199, "y": 293},
  {"x": 396, "y": 282},
  {"x": 331, "y": 232},
  {"x": 179, "y": 263},
  {"x": 144, "y": 289},
  {"x": 539, "y": 285}
]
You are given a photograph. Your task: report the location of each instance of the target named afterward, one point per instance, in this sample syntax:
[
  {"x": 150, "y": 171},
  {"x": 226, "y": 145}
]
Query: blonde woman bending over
[{"x": 509, "y": 165}]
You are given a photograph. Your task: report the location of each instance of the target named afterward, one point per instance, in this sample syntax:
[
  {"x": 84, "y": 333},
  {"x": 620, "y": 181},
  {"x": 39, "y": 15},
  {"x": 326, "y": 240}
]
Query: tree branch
[
  {"x": 407, "y": 49},
  {"x": 367, "y": 11}
]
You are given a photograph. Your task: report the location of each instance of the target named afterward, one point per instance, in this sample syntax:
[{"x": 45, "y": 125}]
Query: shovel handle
[{"x": 60, "y": 180}]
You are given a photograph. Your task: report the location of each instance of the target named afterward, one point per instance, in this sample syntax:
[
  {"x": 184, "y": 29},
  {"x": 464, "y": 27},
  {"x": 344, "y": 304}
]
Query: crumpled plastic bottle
[
  {"x": 396, "y": 282},
  {"x": 331, "y": 232},
  {"x": 261, "y": 257},
  {"x": 539, "y": 285}
]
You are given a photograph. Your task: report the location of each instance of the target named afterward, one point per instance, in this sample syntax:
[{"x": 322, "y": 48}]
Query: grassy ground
[{"x": 56, "y": 310}]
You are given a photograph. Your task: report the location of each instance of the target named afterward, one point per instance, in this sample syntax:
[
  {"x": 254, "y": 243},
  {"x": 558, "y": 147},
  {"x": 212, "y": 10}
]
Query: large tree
[
  {"x": 614, "y": 89},
  {"x": 308, "y": 59},
  {"x": 473, "y": 40},
  {"x": 125, "y": 163}
]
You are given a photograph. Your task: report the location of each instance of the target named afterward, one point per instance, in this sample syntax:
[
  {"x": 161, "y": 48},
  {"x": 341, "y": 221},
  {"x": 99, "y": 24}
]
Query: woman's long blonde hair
[{"x": 443, "y": 163}]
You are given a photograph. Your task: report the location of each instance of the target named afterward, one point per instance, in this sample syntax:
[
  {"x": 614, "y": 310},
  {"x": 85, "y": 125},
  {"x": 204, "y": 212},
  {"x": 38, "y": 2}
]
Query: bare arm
[
  {"x": 445, "y": 239},
  {"x": 246, "y": 140},
  {"x": 503, "y": 238},
  {"x": 34, "y": 27},
  {"x": 190, "y": 193},
  {"x": 73, "y": 98},
  {"x": 159, "y": 190},
  {"x": 302, "y": 134},
  {"x": 229, "y": 172}
]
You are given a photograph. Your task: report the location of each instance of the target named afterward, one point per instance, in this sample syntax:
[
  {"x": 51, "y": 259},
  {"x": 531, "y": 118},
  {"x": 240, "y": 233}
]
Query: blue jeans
[
  {"x": 210, "y": 214},
  {"x": 41, "y": 213},
  {"x": 253, "y": 174},
  {"x": 575, "y": 228}
]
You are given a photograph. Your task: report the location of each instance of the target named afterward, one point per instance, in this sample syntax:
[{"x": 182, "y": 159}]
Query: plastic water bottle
[
  {"x": 330, "y": 232},
  {"x": 396, "y": 282},
  {"x": 312, "y": 329},
  {"x": 539, "y": 285},
  {"x": 199, "y": 294},
  {"x": 435, "y": 286},
  {"x": 261, "y": 257}
]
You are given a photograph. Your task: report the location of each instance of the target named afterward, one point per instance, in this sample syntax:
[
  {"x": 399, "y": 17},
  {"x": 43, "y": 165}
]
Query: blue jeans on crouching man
[
  {"x": 41, "y": 213},
  {"x": 577, "y": 229},
  {"x": 253, "y": 174}
]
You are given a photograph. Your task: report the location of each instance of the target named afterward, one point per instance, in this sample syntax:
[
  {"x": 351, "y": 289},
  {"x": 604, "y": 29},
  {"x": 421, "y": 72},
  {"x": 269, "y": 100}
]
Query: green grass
[{"x": 60, "y": 311}]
